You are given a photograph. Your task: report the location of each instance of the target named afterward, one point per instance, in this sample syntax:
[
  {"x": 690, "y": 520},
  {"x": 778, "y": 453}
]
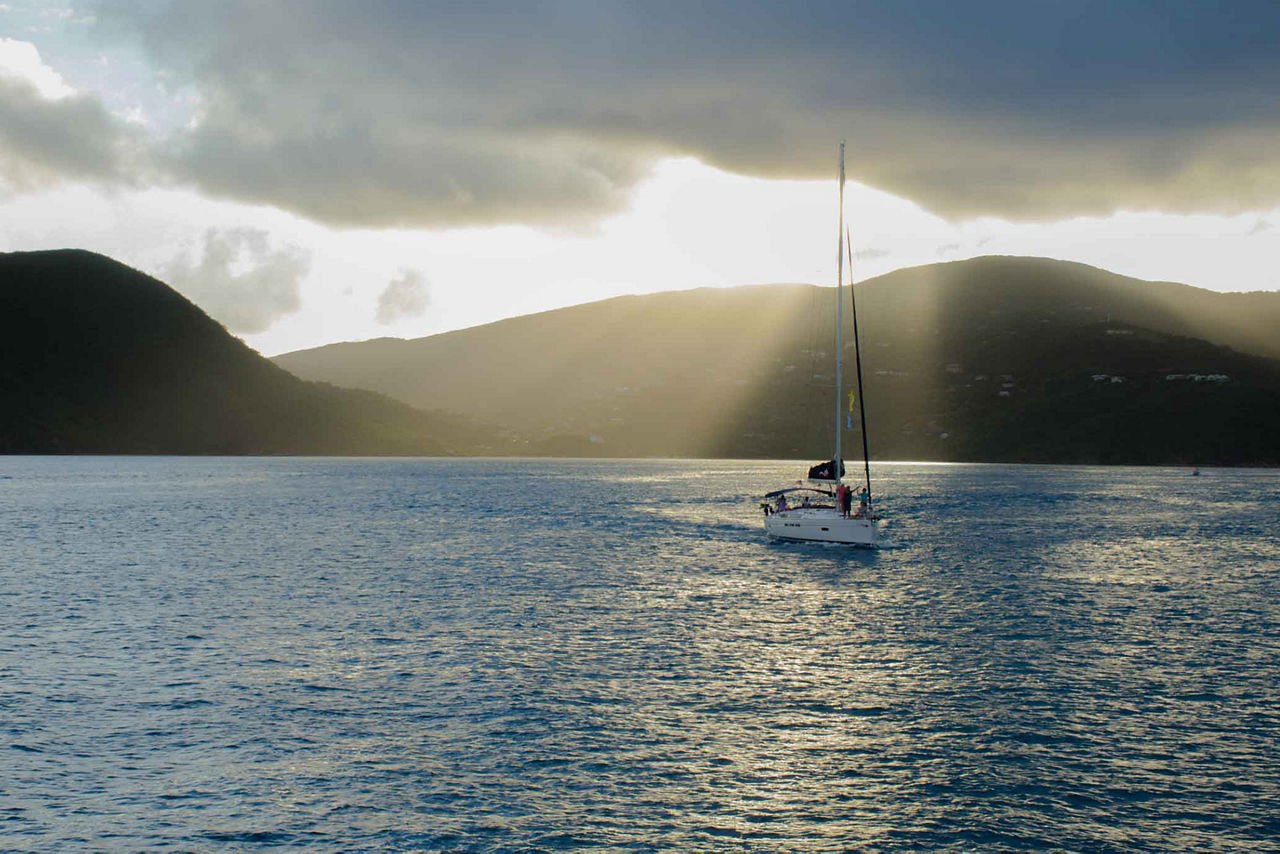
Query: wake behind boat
[{"x": 807, "y": 515}]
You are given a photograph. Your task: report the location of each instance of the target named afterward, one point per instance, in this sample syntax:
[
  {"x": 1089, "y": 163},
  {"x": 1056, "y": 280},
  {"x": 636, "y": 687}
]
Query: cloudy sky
[{"x": 318, "y": 171}]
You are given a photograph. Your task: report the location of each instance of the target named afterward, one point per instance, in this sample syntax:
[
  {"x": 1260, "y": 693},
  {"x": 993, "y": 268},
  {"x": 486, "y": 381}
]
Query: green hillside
[
  {"x": 98, "y": 358},
  {"x": 988, "y": 359}
]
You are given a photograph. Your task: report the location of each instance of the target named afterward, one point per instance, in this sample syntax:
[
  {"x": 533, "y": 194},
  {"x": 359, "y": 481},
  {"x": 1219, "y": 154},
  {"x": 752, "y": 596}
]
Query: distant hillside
[
  {"x": 988, "y": 359},
  {"x": 98, "y": 358}
]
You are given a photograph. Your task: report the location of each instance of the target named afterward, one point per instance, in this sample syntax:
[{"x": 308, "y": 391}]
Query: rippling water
[{"x": 336, "y": 655}]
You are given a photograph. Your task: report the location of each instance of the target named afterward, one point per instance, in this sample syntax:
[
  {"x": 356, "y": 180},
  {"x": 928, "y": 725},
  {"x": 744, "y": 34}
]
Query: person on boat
[
  {"x": 844, "y": 497},
  {"x": 862, "y": 503},
  {"x": 804, "y": 502},
  {"x": 782, "y": 504}
]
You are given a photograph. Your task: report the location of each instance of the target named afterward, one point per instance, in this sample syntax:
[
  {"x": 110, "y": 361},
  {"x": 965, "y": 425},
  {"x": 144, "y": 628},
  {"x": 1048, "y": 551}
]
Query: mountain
[
  {"x": 996, "y": 358},
  {"x": 98, "y": 358}
]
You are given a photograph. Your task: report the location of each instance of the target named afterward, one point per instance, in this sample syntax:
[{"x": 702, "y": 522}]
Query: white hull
[{"x": 823, "y": 525}]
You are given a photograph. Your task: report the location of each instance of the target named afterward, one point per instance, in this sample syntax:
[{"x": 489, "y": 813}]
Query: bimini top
[{"x": 778, "y": 492}]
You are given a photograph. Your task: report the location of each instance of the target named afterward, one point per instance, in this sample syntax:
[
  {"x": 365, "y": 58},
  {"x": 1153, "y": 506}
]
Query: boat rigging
[{"x": 836, "y": 522}]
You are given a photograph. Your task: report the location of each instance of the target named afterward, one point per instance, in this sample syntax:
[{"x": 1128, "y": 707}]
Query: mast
[
  {"x": 839, "y": 461},
  {"x": 857, "y": 355}
]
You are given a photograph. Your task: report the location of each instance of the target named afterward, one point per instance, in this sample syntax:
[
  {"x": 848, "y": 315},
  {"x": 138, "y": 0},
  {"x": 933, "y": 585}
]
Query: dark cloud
[
  {"x": 46, "y": 141},
  {"x": 407, "y": 295},
  {"x": 240, "y": 280},
  {"x": 549, "y": 112}
]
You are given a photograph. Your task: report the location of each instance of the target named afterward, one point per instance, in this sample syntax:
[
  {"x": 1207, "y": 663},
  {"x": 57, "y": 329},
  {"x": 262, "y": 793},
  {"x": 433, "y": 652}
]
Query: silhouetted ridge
[{"x": 96, "y": 357}]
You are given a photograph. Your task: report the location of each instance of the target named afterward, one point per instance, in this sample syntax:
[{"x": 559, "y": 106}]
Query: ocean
[{"x": 238, "y": 654}]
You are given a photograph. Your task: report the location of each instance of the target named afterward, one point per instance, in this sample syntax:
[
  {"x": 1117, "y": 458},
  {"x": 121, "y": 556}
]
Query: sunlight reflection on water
[{"x": 512, "y": 655}]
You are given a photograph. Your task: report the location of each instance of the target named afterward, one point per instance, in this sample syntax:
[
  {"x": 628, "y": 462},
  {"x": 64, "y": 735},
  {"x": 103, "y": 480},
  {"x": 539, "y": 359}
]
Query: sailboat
[{"x": 806, "y": 515}]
